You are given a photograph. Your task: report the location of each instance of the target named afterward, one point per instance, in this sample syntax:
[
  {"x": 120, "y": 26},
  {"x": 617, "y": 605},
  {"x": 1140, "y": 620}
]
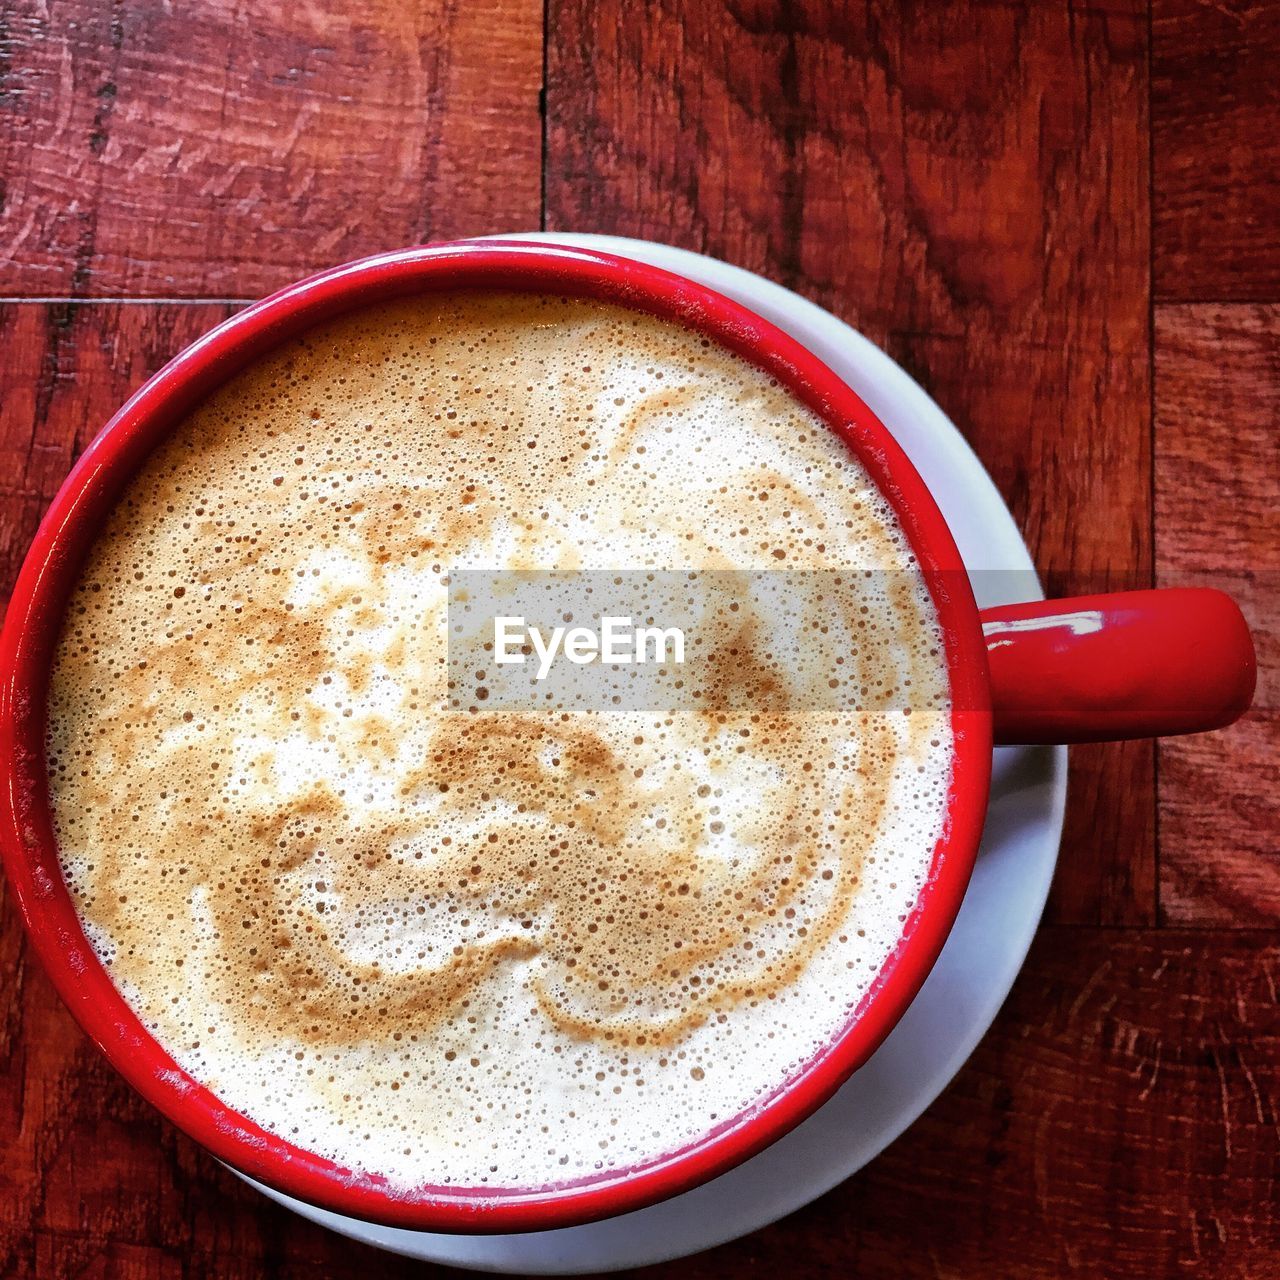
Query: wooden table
[{"x": 1062, "y": 219}]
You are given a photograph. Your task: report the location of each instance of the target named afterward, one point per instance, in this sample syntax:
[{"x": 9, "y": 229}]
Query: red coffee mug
[{"x": 1127, "y": 665}]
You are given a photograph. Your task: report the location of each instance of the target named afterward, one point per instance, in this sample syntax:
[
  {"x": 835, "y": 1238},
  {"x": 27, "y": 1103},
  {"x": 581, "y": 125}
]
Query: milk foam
[{"x": 462, "y": 948}]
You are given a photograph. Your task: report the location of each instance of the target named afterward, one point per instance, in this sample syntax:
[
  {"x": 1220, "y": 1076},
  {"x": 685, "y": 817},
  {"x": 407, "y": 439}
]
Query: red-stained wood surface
[
  {"x": 223, "y": 149},
  {"x": 1218, "y": 524},
  {"x": 975, "y": 186},
  {"x": 1215, "y": 99}
]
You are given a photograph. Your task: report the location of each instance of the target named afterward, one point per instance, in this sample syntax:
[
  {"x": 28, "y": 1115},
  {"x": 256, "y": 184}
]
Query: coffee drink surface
[{"x": 461, "y": 946}]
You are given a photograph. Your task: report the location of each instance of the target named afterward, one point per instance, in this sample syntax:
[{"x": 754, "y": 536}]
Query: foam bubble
[{"x": 508, "y": 949}]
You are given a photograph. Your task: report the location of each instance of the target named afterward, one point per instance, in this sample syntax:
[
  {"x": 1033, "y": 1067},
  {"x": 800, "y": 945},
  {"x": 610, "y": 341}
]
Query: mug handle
[{"x": 1131, "y": 664}]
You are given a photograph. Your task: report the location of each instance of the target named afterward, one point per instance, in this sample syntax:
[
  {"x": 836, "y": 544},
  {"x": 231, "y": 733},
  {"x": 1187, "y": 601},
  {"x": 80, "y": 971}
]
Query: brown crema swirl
[{"x": 322, "y": 884}]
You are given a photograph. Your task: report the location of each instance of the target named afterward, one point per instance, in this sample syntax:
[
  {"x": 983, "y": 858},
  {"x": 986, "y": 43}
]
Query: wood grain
[
  {"x": 968, "y": 184},
  {"x": 1215, "y": 101},
  {"x": 1218, "y": 524},
  {"x": 225, "y": 149}
]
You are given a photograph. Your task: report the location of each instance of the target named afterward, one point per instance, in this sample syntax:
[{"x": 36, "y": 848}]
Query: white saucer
[{"x": 991, "y": 935}]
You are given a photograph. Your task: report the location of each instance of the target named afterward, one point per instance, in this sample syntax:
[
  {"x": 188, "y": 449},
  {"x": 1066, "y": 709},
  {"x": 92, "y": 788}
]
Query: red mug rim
[{"x": 35, "y": 614}]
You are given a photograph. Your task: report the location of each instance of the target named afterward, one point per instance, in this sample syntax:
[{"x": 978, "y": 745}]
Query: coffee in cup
[{"x": 455, "y": 945}]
